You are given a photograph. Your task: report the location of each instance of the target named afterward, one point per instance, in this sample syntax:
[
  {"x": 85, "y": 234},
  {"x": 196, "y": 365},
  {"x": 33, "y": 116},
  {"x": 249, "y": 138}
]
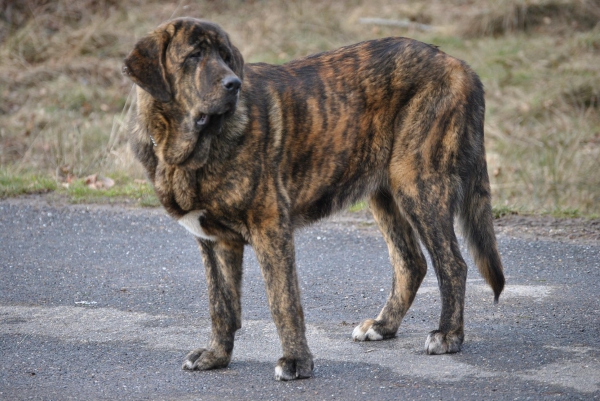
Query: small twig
[
  {"x": 176, "y": 9},
  {"x": 24, "y": 338},
  {"x": 403, "y": 23}
]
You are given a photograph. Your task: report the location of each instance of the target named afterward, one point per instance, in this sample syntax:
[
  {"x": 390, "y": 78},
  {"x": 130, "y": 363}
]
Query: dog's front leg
[
  {"x": 273, "y": 244},
  {"x": 223, "y": 264}
]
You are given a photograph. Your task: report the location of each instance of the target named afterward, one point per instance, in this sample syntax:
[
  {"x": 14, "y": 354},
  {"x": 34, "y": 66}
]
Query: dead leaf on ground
[{"x": 96, "y": 181}]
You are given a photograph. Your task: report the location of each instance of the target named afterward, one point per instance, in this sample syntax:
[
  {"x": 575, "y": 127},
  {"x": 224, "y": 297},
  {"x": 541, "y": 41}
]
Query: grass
[
  {"x": 26, "y": 183},
  {"x": 63, "y": 100},
  {"x": 357, "y": 207},
  {"x": 141, "y": 192},
  {"x": 501, "y": 211},
  {"x": 125, "y": 190}
]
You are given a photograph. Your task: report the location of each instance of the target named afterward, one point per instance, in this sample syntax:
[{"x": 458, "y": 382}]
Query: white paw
[
  {"x": 188, "y": 365},
  {"x": 191, "y": 222},
  {"x": 435, "y": 344},
  {"x": 279, "y": 373},
  {"x": 439, "y": 343},
  {"x": 364, "y": 332}
]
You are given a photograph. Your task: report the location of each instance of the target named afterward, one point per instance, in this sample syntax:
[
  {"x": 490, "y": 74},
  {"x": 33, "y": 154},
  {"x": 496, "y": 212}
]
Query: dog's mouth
[
  {"x": 209, "y": 124},
  {"x": 206, "y": 122},
  {"x": 202, "y": 120}
]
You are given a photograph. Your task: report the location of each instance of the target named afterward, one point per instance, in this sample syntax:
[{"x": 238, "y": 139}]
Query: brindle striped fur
[{"x": 393, "y": 120}]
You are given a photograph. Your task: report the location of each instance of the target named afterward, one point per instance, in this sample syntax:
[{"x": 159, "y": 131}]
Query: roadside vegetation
[{"x": 63, "y": 100}]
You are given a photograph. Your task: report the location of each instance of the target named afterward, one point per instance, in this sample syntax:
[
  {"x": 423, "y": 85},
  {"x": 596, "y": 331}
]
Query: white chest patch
[{"x": 191, "y": 222}]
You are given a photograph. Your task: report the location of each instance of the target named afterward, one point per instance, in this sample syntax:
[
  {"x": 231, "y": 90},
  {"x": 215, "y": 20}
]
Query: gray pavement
[{"x": 104, "y": 303}]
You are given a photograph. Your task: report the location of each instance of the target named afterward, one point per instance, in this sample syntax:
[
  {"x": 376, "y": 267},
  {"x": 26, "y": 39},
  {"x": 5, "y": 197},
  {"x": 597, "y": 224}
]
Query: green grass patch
[
  {"x": 562, "y": 213},
  {"x": 357, "y": 207},
  {"x": 124, "y": 190},
  {"x": 141, "y": 193},
  {"x": 12, "y": 185},
  {"x": 501, "y": 211},
  {"x": 567, "y": 213}
]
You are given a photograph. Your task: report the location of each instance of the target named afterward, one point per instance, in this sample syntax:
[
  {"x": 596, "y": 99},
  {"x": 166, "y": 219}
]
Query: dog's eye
[
  {"x": 195, "y": 55},
  {"x": 225, "y": 56}
]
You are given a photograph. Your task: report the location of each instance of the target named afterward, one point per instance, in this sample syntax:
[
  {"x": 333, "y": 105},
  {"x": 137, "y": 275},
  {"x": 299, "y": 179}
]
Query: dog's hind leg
[
  {"x": 431, "y": 213},
  {"x": 223, "y": 264},
  {"x": 409, "y": 268}
]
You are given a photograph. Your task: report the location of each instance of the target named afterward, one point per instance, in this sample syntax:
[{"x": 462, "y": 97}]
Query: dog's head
[{"x": 191, "y": 76}]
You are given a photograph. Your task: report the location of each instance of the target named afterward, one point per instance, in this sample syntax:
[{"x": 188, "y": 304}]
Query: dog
[{"x": 246, "y": 153}]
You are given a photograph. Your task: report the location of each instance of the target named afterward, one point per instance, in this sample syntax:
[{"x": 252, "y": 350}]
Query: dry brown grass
[
  {"x": 63, "y": 99},
  {"x": 549, "y": 16}
]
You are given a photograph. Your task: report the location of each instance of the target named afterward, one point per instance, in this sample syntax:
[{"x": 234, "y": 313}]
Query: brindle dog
[{"x": 244, "y": 154}]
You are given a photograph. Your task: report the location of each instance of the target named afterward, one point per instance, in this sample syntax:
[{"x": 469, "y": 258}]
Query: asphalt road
[{"x": 104, "y": 303}]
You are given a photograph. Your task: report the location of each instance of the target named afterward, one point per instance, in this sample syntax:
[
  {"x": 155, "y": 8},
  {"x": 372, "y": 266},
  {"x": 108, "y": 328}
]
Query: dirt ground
[{"x": 534, "y": 227}]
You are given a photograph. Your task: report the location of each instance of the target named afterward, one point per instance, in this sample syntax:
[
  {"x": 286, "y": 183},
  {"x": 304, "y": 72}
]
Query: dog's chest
[{"x": 192, "y": 222}]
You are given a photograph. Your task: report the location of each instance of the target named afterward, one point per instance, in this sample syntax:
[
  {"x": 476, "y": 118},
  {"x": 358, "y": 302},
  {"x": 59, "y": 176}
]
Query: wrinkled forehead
[{"x": 190, "y": 32}]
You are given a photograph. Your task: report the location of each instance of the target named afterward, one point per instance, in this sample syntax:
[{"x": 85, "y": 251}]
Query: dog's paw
[
  {"x": 440, "y": 343},
  {"x": 205, "y": 359},
  {"x": 365, "y": 332},
  {"x": 292, "y": 369}
]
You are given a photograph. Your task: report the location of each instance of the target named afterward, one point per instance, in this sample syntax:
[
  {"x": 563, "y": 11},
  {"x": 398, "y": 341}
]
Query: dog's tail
[
  {"x": 476, "y": 215},
  {"x": 478, "y": 229}
]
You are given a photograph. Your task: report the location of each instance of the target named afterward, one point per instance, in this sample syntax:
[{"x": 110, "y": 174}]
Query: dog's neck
[{"x": 233, "y": 128}]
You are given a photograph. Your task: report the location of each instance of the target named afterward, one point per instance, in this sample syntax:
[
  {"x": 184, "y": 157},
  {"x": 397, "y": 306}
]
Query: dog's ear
[
  {"x": 145, "y": 65},
  {"x": 237, "y": 62}
]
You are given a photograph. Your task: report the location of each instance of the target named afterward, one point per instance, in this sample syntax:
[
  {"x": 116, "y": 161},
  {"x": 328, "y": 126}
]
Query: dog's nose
[{"x": 231, "y": 83}]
